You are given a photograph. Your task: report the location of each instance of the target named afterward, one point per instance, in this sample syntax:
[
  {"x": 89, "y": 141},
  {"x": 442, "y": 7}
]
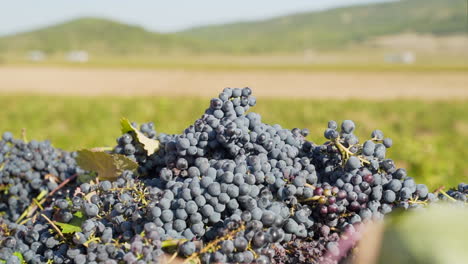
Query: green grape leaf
[
  {"x": 68, "y": 228},
  {"x": 150, "y": 145},
  {"x": 78, "y": 216},
  {"x": 20, "y": 256},
  {"x": 74, "y": 225},
  {"x": 108, "y": 166}
]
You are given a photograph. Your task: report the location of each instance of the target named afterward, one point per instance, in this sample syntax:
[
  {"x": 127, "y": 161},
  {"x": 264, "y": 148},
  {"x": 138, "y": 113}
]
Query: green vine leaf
[
  {"x": 74, "y": 225},
  {"x": 150, "y": 145},
  {"x": 20, "y": 256},
  {"x": 108, "y": 166},
  {"x": 68, "y": 228}
]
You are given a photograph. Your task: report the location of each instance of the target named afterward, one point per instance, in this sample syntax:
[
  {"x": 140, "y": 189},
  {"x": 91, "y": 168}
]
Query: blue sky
[{"x": 154, "y": 15}]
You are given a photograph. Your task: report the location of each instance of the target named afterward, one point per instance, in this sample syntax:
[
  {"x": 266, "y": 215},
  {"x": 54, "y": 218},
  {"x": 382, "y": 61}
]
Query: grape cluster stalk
[{"x": 228, "y": 189}]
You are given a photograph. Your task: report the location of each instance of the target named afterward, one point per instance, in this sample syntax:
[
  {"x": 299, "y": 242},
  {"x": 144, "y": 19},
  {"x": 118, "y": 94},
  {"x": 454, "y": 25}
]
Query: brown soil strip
[{"x": 343, "y": 85}]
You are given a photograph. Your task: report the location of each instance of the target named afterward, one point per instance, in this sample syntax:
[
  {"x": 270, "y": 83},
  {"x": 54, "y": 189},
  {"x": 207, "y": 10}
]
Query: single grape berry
[
  {"x": 347, "y": 126},
  {"x": 187, "y": 248}
]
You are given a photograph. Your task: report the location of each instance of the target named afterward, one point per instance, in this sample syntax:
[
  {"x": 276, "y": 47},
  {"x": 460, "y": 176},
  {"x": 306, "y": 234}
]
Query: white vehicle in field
[
  {"x": 36, "y": 56},
  {"x": 78, "y": 56}
]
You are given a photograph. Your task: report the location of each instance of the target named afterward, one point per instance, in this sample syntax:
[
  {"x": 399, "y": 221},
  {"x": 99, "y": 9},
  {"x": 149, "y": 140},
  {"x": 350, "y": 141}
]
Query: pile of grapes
[{"x": 228, "y": 189}]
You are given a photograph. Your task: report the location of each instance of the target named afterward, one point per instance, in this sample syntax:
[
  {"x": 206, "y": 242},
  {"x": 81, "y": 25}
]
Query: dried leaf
[
  {"x": 108, "y": 166},
  {"x": 150, "y": 145}
]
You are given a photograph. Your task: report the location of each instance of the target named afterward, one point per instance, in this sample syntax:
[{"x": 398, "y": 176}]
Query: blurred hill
[
  {"x": 330, "y": 29},
  {"x": 94, "y": 34},
  {"x": 339, "y": 27}
]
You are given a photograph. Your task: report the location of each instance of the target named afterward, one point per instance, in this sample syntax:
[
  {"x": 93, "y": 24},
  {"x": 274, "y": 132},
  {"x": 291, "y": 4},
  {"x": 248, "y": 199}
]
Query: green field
[
  {"x": 430, "y": 138},
  {"x": 355, "y": 60}
]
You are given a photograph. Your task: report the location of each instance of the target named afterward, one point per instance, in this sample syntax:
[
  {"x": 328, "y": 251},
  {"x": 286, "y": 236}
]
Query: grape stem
[
  {"x": 172, "y": 258},
  {"x": 446, "y": 195},
  {"x": 23, "y": 135},
  {"x": 212, "y": 245},
  {"x": 416, "y": 201},
  {"x": 67, "y": 180},
  {"x": 54, "y": 226},
  {"x": 33, "y": 207},
  {"x": 313, "y": 198},
  {"x": 172, "y": 243},
  {"x": 94, "y": 239},
  {"x": 346, "y": 153}
]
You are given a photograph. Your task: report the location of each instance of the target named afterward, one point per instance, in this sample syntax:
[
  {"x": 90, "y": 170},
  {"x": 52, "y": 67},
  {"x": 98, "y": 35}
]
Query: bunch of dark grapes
[
  {"x": 302, "y": 251},
  {"x": 113, "y": 227},
  {"x": 228, "y": 189},
  {"x": 358, "y": 180},
  {"x": 229, "y": 166},
  {"x": 459, "y": 194},
  {"x": 28, "y": 170}
]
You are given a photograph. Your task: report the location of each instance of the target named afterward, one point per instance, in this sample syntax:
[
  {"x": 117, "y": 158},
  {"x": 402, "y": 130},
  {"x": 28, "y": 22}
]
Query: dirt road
[{"x": 122, "y": 82}]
